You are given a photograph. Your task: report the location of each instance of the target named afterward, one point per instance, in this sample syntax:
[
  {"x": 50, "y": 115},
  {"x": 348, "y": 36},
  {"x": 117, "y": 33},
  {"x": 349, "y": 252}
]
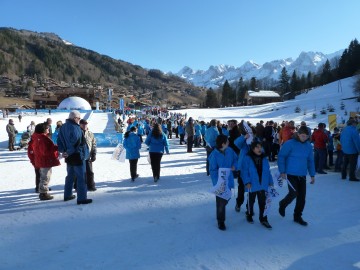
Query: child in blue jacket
[
  {"x": 132, "y": 144},
  {"x": 222, "y": 157},
  {"x": 256, "y": 175}
]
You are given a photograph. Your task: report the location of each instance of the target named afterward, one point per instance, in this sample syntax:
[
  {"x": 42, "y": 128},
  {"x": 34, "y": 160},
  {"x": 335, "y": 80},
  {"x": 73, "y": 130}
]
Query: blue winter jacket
[
  {"x": 250, "y": 175},
  {"x": 222, "y": 160},
  {"x": 240, "y": 142},
  {"x": 164, "y": 128},
  {"x": 71, "y": 140},
  {"x": 132, "y": 145},
  {"x": 350, "y": 140},
  {"x": 211, "y": 135},
  {"x": 296, "y": 158},
  {"x": 157, "y": 145},
  {"x": 181, "y": 129},
  {"x": 225, "y": 131},
  {"x": 197, "y": 130},
  {"x": 141, "y": 130},
  {"x": 203, "y": 129}
]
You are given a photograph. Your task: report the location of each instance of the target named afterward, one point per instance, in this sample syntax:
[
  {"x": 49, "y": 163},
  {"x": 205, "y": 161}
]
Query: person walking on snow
[
  {"x": 295, "y": 160},
  {"x": 256, "y": 175},
  {"x": 132, "y": 144},
  {"x": 222, "y": 157}
]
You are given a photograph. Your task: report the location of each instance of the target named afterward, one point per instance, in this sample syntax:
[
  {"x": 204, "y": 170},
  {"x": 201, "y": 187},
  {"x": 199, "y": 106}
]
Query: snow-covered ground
[{"x": 172, "y": 224}]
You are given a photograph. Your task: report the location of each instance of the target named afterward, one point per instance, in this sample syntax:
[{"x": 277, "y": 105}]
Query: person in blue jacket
[
  {"x": 210, "y": 137},
  {"x": 73, "y": 146},
  {"x": 132, "y": 144},
  {"x": 256, "y": 176},
  {"x": 203, "y": 130},
  {"x": 241, "y": 143},
  {"x": 158, "y": 143},
  {"x": 350, "y": 143},
  {"x": 295, "y": 160},
  {"x": 140, "y": 131},
  {"x": 222, "y": 157},
  {"x": 181, "y": 130},
  {"x": 197, "y": 136}
]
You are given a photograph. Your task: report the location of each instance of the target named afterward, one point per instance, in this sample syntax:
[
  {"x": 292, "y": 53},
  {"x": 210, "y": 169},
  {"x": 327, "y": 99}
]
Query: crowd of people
[{"x": 245, "y": 149}]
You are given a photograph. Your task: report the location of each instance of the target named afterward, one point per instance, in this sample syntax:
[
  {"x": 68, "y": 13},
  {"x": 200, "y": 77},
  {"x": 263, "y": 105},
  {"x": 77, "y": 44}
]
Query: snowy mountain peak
[{"x": 215, "y": 76}]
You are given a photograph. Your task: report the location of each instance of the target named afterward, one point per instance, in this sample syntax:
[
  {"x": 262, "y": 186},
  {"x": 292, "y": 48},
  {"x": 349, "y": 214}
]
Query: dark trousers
[
  {"x": 339, "y": 160},
  {"x": 299, "y": 184},
  {"x": 268, "y": 149},
  {"x": 190, "y": 142},
  {"x": 261, "y": 197},
  {"x": 182, "y": 138},
  {"x": 275, "y": 150},
  {"x": 90, "y": 183},
  {"x": 133, "y": 167},
  {"x": 203, "y": 140},
  {"x": 220, "y": 209},
  {"x": 351, "y": 160},
  {"x": 241, "y": 191},
  {"x": 11, "y": 143},
  {"x": 155, "y": 163},
  {"x": 330, "y": 154},
  {"x": 319, "y": 158}
]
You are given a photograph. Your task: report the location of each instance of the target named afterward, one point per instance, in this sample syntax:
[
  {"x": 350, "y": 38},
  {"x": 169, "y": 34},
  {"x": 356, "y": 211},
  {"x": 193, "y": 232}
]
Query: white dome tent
[{"x": 74, "y": 103}]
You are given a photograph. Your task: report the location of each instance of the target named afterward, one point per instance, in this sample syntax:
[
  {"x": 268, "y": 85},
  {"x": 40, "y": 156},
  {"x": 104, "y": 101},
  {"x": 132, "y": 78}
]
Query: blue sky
[{"x": 169, "y": 35}]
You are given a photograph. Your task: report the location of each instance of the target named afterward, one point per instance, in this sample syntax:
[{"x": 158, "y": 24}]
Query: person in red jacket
[
  {"x": 45, "y": 156},
  {"x": 287, "y": 131},
  {"x": 32, "y": 160},
  {"x": 320, "y": 139}
]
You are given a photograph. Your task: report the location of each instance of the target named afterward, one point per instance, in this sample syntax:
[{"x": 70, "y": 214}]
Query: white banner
[
  {"x": 119, "y": 153},
  {"x": 270, "y": 194},
  {"x": 221, "y": 189}
]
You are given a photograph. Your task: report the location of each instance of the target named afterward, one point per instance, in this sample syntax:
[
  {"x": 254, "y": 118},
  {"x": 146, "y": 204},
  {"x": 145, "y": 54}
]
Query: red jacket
[
  {"x": 287, "y": 133},
  {"x": 30, "y": 153},
  {"x": 45, "y": 152},
  {"x": 320, "y": 139}
]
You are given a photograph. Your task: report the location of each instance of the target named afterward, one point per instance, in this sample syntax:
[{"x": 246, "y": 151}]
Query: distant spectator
[
  {"x": 11, "y": 131},
  {"x": 350, "y": 143},
  {"x": 31, "y": 128}
]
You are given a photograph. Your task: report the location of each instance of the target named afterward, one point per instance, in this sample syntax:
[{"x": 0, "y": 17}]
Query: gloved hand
[{"x": 93, "y": 157}]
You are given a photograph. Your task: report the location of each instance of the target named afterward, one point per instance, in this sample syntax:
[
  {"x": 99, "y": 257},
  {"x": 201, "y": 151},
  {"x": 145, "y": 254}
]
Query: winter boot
[
  {"x": 300, "y": 221},
  {"x": 45, "y": 196},
  {"x": 221, "y": 226}
]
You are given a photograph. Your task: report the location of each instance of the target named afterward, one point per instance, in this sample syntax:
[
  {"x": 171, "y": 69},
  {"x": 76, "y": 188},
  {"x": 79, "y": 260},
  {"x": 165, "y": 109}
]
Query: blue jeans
[{"x": 79, "y": 173}]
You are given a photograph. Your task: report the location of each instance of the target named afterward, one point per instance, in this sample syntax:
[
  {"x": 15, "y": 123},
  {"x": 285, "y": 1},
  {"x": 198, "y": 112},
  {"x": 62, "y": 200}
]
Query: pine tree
[
  {"x": 284, "y": 82},
  {"x": 241, "y": 91},
  {"x": 253, "y": 84},
  {"x": 309, "y": 80},
  {"x": 211, "y": 100},
  {"x": 326, "y": 75},
  {"x": 227, "y": 93},
  {"x": 294, "y": 84},
  {"x": 302, "y": 84}
]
